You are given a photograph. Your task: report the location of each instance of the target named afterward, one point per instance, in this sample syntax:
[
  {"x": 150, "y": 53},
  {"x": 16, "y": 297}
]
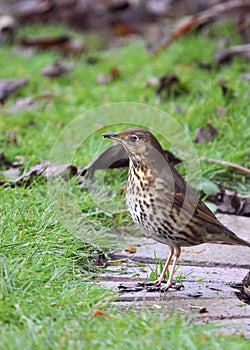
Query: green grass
[
  {"x": 130, "y": 329},
  {"x": 46, "y": 295}
]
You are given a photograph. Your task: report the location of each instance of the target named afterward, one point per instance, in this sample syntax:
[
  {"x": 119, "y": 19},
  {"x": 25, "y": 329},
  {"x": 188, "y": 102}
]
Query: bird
[{"x": 162, "y": 204}]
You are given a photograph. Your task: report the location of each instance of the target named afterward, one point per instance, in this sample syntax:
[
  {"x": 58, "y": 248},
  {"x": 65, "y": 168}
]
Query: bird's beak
[{"x": 112, "y": 136}]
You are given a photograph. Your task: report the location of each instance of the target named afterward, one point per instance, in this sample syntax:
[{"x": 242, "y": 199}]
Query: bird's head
[{"x": 138, "y": 142}]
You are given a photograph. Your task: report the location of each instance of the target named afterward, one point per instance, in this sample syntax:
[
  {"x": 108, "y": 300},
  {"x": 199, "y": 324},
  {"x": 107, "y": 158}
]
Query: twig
[
  {"x": 225, "y": 163},
  {"x": 229, "y": 8}
]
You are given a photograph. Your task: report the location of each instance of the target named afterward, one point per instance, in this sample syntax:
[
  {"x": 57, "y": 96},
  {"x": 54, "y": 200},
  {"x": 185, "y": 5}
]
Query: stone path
[{"x": 209, "y": 270}]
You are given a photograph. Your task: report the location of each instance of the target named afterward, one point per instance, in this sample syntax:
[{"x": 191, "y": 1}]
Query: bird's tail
[
  {"x": 231, "y": 237},
  {"x": 221, "y": 233}
]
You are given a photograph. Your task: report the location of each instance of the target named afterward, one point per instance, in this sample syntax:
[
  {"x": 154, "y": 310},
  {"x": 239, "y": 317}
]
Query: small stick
[{"x": 225, "y": 163}]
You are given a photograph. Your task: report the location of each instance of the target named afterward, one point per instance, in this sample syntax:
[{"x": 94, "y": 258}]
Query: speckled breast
[{"x": 146, "y": 206}]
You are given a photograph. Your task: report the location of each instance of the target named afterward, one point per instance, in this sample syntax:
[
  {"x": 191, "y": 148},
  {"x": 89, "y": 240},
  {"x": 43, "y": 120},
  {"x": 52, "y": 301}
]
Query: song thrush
[{"x": 162, "y": 204}]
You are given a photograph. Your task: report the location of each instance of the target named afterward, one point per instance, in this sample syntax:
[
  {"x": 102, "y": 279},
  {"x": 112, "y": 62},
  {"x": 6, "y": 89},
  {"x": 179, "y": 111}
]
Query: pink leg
[
  {"x": 169, "y": 284},
  {"x": 163, "y": 274}
]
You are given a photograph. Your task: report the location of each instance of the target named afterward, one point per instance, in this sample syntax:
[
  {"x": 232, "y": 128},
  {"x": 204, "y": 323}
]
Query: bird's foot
[
  {"x": 159, "y": 281},
  {"x": 173, "y": 285}
]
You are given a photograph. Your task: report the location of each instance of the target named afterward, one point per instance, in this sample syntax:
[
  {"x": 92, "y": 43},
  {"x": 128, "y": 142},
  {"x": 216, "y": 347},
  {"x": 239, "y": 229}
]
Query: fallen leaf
[
  {"x": 220, "y": 10},
  {"x": 11, "y": 174},
  {"x": 230, "y": 202},
  {"x": 98, "y": 312},
  {"x": 44, "y": 43},
  {"x": 57, "y": 69},
  {"x": 46, "y": 169},
  {"x": 130, "y": 250},
  {"x": 169, "y": 86},
  {"x": 226, "y": 56},
  {"x": 49, "y": 169},
  {"x": 9, "y": 86},
  {"x": 116, "y": 157},
  {"x": 205, "y": 134},
  {"x": 113, "y": 157},
  {"x": 27, "y": 103}
]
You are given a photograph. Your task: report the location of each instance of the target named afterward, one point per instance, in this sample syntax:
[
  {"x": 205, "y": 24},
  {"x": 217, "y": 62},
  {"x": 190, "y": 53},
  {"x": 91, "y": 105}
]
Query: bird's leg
[
  {"x": 163, "y": 274},
  {"x": 177, "y": 253}
]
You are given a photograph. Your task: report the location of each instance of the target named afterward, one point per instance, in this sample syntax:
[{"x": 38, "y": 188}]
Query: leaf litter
[
  {"x": 227, "y": 201},
  {"x": 9, "y": 87}
]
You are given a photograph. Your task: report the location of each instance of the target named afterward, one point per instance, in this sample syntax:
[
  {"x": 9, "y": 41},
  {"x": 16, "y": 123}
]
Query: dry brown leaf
[
  {"x": 116, "y": 157},
  {"x": 9, "y": 86},
  {"x": 230, "y": 202},
  {"x": 205, "y": 134},
  {"x": 44, "y": 43},
  {"x": 98, "y": 312},
  {"x": 46, "y": 169},
  {"x": 27, "y": 103},
  {"x": 170, "y": 85},
  {"x": 130, "y": 250},
  {"x": 57, "y": 69},
  {"x": 226, "y": 56},
  {"x": 223, "y": 9}
]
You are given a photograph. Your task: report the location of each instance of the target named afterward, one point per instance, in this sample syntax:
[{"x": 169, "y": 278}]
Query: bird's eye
[{"x": 133, "y": 138}]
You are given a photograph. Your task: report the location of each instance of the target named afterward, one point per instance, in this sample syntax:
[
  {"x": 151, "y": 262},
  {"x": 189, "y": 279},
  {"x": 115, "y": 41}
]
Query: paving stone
[{"x": 208, "y": 271}]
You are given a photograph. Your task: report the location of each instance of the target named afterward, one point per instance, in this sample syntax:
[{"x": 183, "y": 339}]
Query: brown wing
[
  {"x": 197, "y": 207},
  {"x": 192, "y": 202},
  {"x": 205, "y": 213}
]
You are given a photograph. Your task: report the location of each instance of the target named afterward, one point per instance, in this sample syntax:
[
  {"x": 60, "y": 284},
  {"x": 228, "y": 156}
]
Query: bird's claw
[
  {"x": 176, "y": 286},
  {"x": 159, "y": 281}
]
